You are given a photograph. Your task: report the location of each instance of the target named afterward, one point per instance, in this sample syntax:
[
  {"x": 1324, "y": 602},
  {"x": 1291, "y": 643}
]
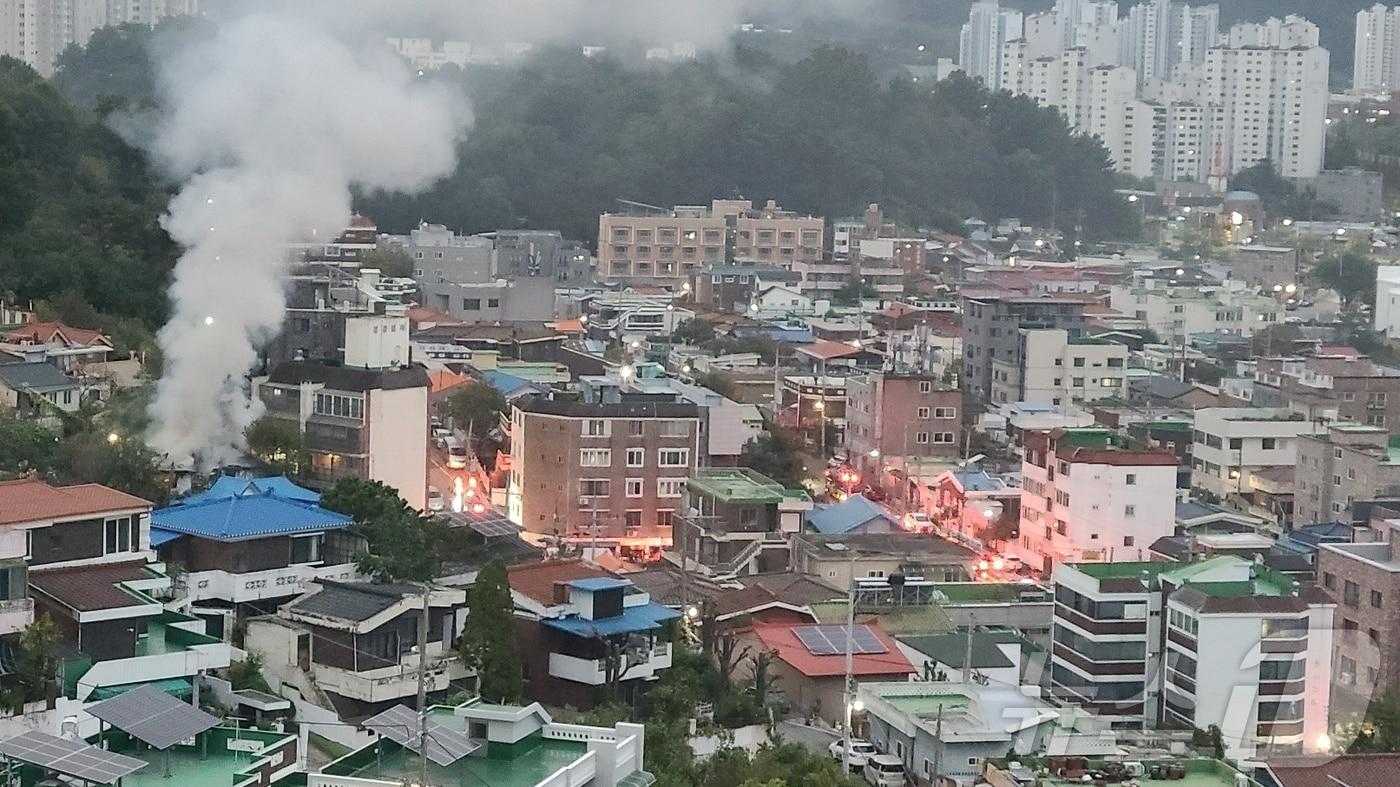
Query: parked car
[
  {"x": 456, "y": 453},
  {"x": 860, "y": 750},
  {"x": 884, "y": 770},
  {"x": 918, "y": 522},
  {"x": 435, "y": 501}
]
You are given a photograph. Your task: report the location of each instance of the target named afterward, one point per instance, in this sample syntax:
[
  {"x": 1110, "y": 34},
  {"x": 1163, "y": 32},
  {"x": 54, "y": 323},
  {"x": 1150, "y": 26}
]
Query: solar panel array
[
  {"x": 830, "y": 640},
  {"x": 71, "y": 758},
  {"x": 400, "y": 724},
  {"x": 491, "y": 524},
  {"x": 153, "y": 716}
]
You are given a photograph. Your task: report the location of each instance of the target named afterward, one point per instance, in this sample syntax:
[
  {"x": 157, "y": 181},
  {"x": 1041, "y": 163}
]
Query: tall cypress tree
[{"x": 488, "y": 644}]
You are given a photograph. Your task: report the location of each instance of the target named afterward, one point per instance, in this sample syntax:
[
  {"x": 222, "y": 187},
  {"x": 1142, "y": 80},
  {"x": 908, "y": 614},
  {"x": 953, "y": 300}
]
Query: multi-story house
[
  {"x": 1230, "y": 444},
  {"x": 725, "y": 425},
  {"x": 671, "y": 245},
  {"x": 1350, "y": 462},
  {"x": 1052, "y": 367},
  {"x": 1176, "y": 311},
  {"x": 615, "y": 472},
  {"x": 991, "y": 330},
  {"x": 904, "y": 418},
  {"x": 741, "y": 521},
  {"x": 1363, "y": 580},
  {"x": 587, "y": 637},
  {"x": 1085, "y": 498},
  {"x": 1266, "y": 267},
  {"x": 359, "y": 422},
  {"x": 1222, "y": 642},
  {"x": 337, "y": 315},
  {"x": 973, "y": 506},
  {"x": 1339, "y": 384},
  {"x": 247, "y": 545},
  {"x": 88, "y": 558},
  {"x": 360, "y": 641}
]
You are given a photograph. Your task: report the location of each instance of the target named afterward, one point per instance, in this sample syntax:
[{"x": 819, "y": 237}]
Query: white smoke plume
[{"x": 268, "y": 122}]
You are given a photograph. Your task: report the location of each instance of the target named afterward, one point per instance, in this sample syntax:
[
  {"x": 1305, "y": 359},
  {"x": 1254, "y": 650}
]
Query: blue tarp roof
[
  {"x": 599, "y": 583},
  {"x": 228, "y": 485},
  {"x": 977, "y": 481},
  {"x": 507, "y": 384},
  {"x": 632, "y": 620},
  {"x": 243, "y": 517},
  {"x": 847, "y": 515}
]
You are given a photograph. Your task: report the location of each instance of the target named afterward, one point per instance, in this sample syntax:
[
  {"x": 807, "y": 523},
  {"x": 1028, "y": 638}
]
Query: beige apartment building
[
  {"x": 616, "y": 472},
  {"x": 650, "y": 244},
  {"x": 1350, "y": 462},
  {"x": 1052, "y": 367}
]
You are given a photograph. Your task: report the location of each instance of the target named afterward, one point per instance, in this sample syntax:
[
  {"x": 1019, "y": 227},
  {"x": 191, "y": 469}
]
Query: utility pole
[
  {"x": 423, "y": 689},
  {"x": 850, "y": 697},
  {"x": 938, "y": 740},
  {"x": 967, "y": 651}
]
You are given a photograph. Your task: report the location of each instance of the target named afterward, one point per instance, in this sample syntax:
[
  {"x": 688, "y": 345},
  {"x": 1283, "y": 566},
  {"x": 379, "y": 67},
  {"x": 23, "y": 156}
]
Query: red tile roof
[
  {"x": 419, "y": 314},
  {"x": 536, "y": 580},
  {"x": 44, "y": 332},
  {"x": 826, "y": 350},
  {"x": 790, "y": 649},
  {"x": 85, "y": 588},
  {"x": 31, "y": 500},
  {"x": 1353, "y": 770}
]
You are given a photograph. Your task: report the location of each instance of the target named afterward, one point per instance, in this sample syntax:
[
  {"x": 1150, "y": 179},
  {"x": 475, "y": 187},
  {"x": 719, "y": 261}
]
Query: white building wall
[
  {"x": 397, "y": 422},
  {"x": 1375, "y": 63},
  {"x": 1272, "y": 106},
  {"x": 1222, "y": 469},
  {"x": 1388, "y": 300}
]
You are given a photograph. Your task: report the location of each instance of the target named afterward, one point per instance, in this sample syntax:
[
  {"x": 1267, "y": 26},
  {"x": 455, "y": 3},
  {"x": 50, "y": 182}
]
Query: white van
[
  {"x": 884, "y": 770},
  {"x": 456, "y": 453}
]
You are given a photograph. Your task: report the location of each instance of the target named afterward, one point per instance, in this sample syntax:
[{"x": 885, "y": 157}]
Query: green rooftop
[
  {"x": 1200, "y": 772},
  {"x": 984, "y": 592},
  {"x": 1088, "y": 437},
  {"x": 1134, "y": 570},
  {"x": 220, "y": 758},
  {"x": 1089, "y": 340},
  {"x": 925, "y": 706},
  {"x": 523, "y": 764},
  {"x": 740, "y": 485}
]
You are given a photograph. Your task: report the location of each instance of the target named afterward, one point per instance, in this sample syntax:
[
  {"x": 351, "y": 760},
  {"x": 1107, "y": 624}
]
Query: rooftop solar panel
[
  {"x": 153, "y": 716},
  {"x": 491, "y": 524},
  {"x": 831, "y": 640},
  {"x": 400, "y": 724},
  {"x": 71, "y": 758}
]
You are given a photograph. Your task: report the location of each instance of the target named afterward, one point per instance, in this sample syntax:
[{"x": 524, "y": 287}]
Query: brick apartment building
[
  {"x": 622, "y": 466},
  {"x": 991, "y": 324},
  {"x": 908, "y": 416},
  {"x": 651, "y": 244},
  {"x": 1363, "y": 579},
  {"x": 1350, "y": 462},
  {"x": 1345, "y": 387}
]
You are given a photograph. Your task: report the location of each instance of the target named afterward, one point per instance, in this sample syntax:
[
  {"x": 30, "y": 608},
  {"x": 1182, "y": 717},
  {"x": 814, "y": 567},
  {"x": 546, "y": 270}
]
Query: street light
[
  {"x": 1290, "y": 288},
  {"x": 113, "y": 438},
  {"x": 1132, "y": 198},
  {"x": 625, "y": 372},
  {"x": 874, "y": 453}
]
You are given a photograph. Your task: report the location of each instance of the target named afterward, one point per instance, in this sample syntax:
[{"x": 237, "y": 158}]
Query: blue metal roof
[
  {"x": 599, "y": 583},
  {"x": 228, "y": 486},
  {"x": 244, "y": 517},
  {"x": 160, "y": 537},
  {"x": 507, "y": 384},
  {"x": 847, "y": 515},
  {"x": 978, "y": 481},
  {"x": 632, "y": 620}
]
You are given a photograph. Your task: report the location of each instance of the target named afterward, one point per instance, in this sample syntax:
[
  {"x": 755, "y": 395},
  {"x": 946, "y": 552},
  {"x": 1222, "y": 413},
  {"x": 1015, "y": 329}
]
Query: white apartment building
[
  {"x": 1075, "y": 18},
  {"x": 1176, "y": 312},
  {"x": 1376, "y": 64},
  {"x": 1057, "y": 369},
  {"x": 37, "y": 31},
  {"x": 1085, "y": 500},
  {"x": 1221, "y": 642},
  {"x": 1268, "y": 104},
  {"x": 988, "y": 28},
  {"x": 1387, "y": 317},
  {"x": 1229, "y": 444},
  {"x": 1157, "y": 35},
  {"x": 1286, "y": 33}
]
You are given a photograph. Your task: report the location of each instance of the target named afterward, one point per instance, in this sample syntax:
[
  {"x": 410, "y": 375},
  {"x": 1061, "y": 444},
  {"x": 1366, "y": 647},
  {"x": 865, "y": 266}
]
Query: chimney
[
  {"x": 561, "y": 593},
  {"x": 874, "y": 219}
]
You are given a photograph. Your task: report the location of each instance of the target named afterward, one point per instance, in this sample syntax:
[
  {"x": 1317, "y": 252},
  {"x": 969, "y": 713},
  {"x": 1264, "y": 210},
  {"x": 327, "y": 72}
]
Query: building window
[
  {"x": 595, "y": 457},
  {"x": 340, "y": 405},
  {"x": 596, "y": 427},
  {"x": 675, "y": 429},
  {"x": 670, "y": 487},
  {"x": 493, "y": 303},
  {"x": 665, "y": 518},
  {"x": 1130, "y": 479},
  {"x": 925, "y": 386},
  {"x": 921, "y": 438},
  {"x": 1376, "y": 599},
  {"x": 636, "y": 457},
  {"x": 943, "y": 438},
  {"x": 1236, "y": 443},
  {"x": 673, "y": 457},
  {"x": 632, "y": 521},
  {"x": 1079, "y": 363},
  {"x": 636, "y": 428},
  {"x": 1268, "y": 443},
  {"x": 1128, "y": 541},
  {"x": 1129, "y": 511},
  {"x": 945, "y": 412},
  {"x": 1351, "y": 594},
  {"x": 593, "y": 487},
  {"x": 633, "y": 487},
  {"x": 122, "y": 534},
  {"x": 306, "y": 549},
  {"x": 1329, "y": 580},
  {"x": 923, "y": 413},
  {"x": 471, "y": 304}
]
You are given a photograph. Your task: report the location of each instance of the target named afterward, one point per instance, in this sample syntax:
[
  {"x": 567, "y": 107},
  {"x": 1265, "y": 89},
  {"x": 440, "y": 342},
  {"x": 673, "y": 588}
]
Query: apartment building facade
[
  {"x": 901, "y": 416},
  {"x": 1291, "y": 85},
  {"x": 1376, "y": 65},
  {"x": 1348, "y": 463},
  {"x": 1363, "y": 580},
  {"x": 990, "y": 331},
  {"x": 1084, "y": 499},
  {"x": 1230, "y": 444},
  {"x": 615, "y": 471},
  {"x": 672, "y": 245},
  {"x": 742, "y": 522},
  {"x": 368, "y": 423},
  {"x": 1057, "y": 369}
]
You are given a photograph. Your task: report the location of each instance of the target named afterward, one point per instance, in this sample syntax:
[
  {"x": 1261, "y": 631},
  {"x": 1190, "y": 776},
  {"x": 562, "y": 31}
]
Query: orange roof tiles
[
  {"x": 31, "y": 500},
  {"x": 536, "y": 580},
  {"x": 44, "y": 332},
  {"x": 443, "y": 379},
  {"x": 826, "y": 350}
]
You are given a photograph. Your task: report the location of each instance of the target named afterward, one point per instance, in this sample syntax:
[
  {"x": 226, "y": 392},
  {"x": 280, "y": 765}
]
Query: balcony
[
  {"x": 171, "y": 648},
  {"x": 256, "y": 585},
  {"x": 16, "y": 615},
  {"x": 394, "y": 682},
  {"x": 593, "y": 672}
]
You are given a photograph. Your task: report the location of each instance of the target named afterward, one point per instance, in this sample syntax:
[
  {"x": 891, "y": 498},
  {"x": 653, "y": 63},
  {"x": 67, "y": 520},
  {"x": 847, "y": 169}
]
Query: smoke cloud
[{"x": 268, "y": 123}]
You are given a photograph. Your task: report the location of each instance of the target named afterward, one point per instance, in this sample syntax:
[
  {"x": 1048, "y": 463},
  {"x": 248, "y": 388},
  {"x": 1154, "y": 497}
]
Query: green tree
[
  {"x": 126, "y": 463},
  {"x": 489, "y": 644},
  {"x": 695, "y": 331},
  {"x": 1351, "y": 273},
  {"x": 852, "y": 292},
  {"x": 389, "y": 261},
  {"x": 279, "y": 444},
  {"x": 479, "y": 407},
  {"x": 25, "y": 445},
  {"x": 37, "y": 662},
  {"x": 400, "y": 545},
  {"x": 774, "y": 454}
]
